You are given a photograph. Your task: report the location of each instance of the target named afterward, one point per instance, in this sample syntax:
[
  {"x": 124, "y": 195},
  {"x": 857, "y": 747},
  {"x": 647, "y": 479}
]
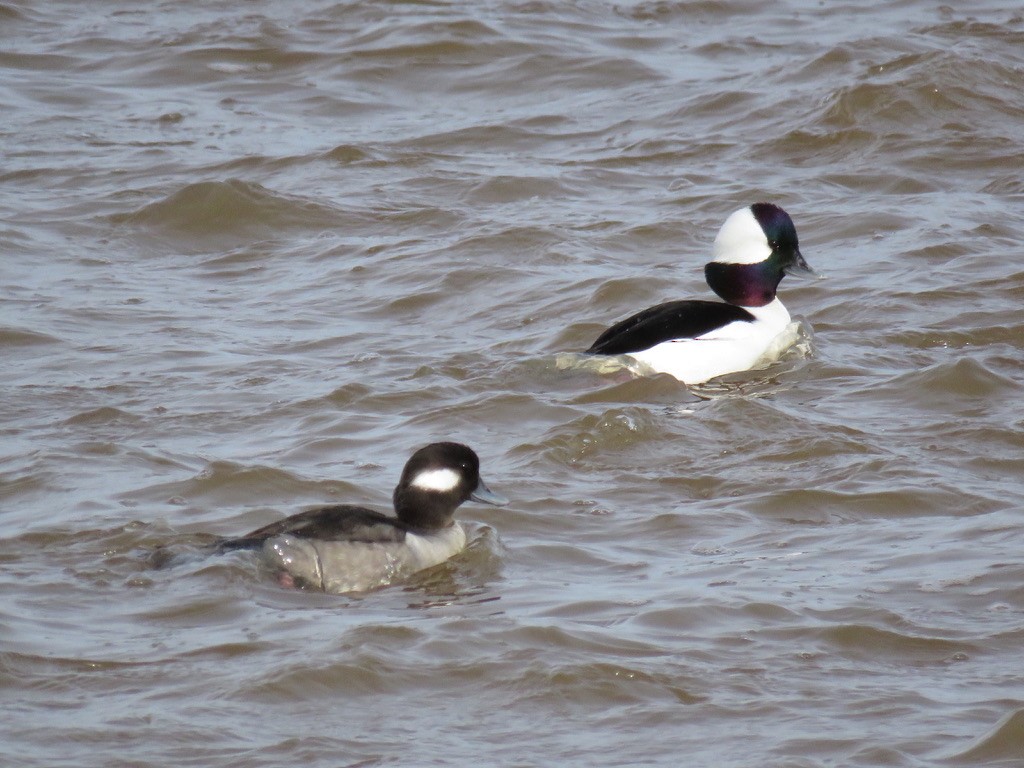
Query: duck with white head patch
[
  {"x": 696, "y": 340},
  {"x": 352, "y": 549}
]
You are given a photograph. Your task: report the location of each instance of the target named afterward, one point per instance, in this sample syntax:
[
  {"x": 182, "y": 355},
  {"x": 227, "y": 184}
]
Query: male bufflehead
[
  {"x": 349, "y": 549},
  {"x": 698, "y": 340}
]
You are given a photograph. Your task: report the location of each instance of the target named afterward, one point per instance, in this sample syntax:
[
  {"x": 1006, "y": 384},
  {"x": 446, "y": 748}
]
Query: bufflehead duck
[
  {"x": 349, "y": 549},
  {"x": 698, "y": 340}
]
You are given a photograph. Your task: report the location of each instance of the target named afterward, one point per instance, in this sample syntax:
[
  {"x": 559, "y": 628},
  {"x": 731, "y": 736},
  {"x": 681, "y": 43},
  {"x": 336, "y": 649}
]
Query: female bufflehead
[
  {"x": 698, "y": 340},
  {"x": 348, "y": 549}
]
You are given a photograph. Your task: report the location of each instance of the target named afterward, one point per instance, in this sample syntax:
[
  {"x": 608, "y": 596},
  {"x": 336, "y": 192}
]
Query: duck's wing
[
  {"x": 673, "y": 320},
  {"x": 340, "y": 523}
]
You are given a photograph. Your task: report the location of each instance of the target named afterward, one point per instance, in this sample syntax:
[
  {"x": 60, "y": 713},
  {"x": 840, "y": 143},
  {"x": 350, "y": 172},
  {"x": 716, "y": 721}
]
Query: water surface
[{"x": 254, "y": 254}]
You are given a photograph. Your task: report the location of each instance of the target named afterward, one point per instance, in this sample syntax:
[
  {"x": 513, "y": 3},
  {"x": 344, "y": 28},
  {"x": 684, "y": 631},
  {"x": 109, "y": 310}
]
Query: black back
[
  {"x": 672, "y": 320},
  {"x": 340, "y": 523}
]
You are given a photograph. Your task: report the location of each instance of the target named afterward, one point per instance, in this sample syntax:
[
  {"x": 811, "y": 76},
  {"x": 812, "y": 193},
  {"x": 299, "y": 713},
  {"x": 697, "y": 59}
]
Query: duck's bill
[
  {"x": 799, "y": 267},
  {"x": 485, "y": 495}
]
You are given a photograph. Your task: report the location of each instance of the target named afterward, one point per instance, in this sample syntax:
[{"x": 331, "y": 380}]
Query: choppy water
[{"x": 252, "y": 254}]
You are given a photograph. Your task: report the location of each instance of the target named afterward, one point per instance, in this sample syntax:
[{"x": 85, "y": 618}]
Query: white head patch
[
  {"x": 741, "y": 240},
  {"x": 442, "y": 480}
]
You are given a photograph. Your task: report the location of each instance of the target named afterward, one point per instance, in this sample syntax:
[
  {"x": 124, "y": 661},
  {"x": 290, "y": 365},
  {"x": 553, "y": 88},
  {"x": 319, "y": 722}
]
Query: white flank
[
  {"x": 741, "y": 240},
  {"x": 430, "y": 549},
  {"x": 356, "y": 566},
  {"x": 437, "y": 480},
  {"x": 737, "y": 346}
]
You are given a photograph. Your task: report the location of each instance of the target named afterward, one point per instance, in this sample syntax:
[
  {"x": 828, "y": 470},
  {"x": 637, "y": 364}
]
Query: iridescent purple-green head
[{"x": 755, "y": 248}]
